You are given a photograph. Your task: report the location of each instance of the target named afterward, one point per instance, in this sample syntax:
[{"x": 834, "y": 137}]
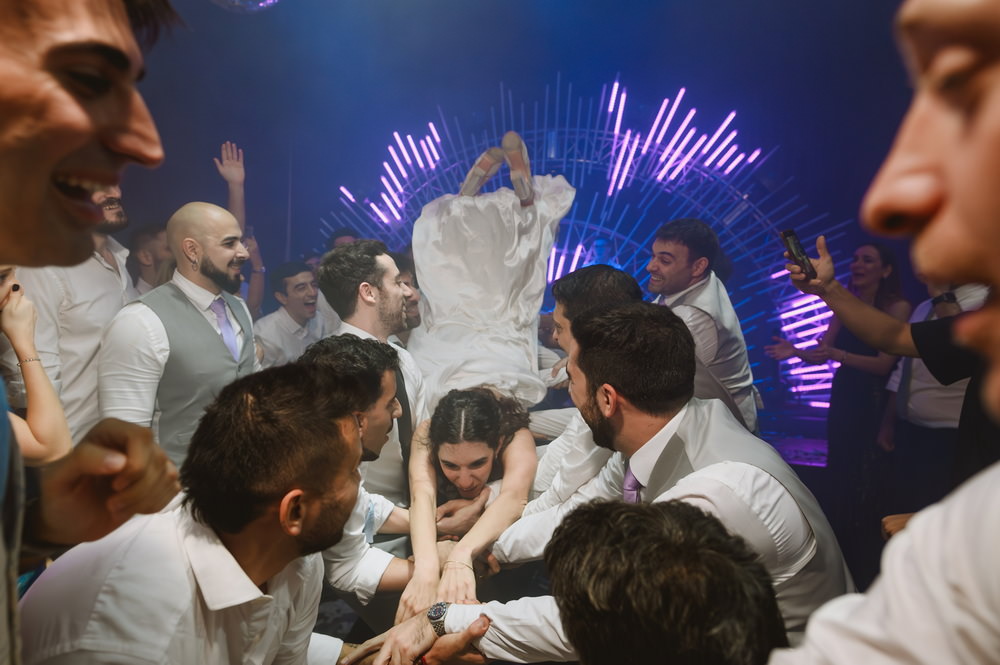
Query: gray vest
[
  {"x": 198, "y": 367},
  {"x": 709, "y": 435}
]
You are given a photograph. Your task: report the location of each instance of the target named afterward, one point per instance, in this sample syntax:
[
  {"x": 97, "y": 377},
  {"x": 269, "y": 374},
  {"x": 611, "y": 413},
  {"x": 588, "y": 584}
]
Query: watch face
[{"x": 437, "y": 611}]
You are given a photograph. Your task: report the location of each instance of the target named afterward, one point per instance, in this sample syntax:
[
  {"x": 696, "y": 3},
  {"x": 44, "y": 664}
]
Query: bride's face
[{"x": 467, "y": 465}]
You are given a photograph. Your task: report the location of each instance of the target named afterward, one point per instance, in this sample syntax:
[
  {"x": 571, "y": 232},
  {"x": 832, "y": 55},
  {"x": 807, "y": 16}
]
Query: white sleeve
[
  {"x": 571, "y": 460},
  {"x": 46, "y": 290},
  {"x": 134, "y": 351},
  {"x": 702, "y": 327},
  {"x": 937, "y": 599},
  {"x": 522, "y": 631},
  {"x": 299, "y": 645},
  {"x": 525, "y": 539},
  {"x": 353, "y": 565}
]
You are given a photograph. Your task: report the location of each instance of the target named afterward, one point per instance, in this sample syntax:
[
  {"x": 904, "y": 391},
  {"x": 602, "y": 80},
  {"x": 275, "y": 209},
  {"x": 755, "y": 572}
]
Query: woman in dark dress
[{"x": 854, "y": 462}]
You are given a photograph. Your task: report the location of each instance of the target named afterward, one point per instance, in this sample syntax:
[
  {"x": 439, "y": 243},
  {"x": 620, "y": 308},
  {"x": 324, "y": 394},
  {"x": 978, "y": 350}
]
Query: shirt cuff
[{"x": 323, "y": 649}]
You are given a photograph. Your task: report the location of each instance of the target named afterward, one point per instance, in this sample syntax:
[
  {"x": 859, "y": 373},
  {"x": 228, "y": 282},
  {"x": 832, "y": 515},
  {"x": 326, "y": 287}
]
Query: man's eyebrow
[{"x": 113, "y": 56}]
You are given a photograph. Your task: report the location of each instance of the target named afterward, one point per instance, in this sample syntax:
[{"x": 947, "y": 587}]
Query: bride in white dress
[{"x": 481, "y": 263}]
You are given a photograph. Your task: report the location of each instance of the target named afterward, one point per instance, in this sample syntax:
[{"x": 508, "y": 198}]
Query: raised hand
[
  {"x": 115, "y": 472},
  {"x": 824, "y": 271},
  {"x": 230, "y": 163},
  {"x": 17, "y": 319}
]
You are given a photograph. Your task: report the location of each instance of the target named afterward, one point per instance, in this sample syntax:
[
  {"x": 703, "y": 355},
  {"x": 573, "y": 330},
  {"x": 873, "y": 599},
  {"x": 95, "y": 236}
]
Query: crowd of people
[{"x": 200, "y": 473}]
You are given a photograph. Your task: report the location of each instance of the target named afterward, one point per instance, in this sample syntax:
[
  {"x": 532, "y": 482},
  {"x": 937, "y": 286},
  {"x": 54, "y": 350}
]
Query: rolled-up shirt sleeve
[
  {"x": 353, "y": 565},
  {"x": 134, "y": 351},
  {"x": 522, "y": 631}
]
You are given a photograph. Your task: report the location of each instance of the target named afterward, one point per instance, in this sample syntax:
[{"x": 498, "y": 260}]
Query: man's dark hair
[
  {"x": 149, "y": 18},
  {"x": 345, "y": 268},
  {"x": 700, "y": 240},
  {"x": 405, "y": 265},
  {"x": 264, "y": 435},
  {"x": 644, "y": 350},
  {"x": 343, "y": 231},
  {"x": 660, "y": 583},
  {"x": 595, "y": 286},
  {"x": 284, "y": 271},
  {"x": 364, "y": 360}
]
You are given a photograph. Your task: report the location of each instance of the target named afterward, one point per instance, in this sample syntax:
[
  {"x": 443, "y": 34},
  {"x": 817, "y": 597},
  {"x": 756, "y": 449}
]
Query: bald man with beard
[{"x": 166, "y": 356}]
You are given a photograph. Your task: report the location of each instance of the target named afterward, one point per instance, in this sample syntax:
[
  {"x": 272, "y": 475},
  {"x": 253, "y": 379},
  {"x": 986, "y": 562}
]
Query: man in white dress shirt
[
  {"x": 74, "y": 306},
  {"x": 166, "y": 356},
  {"x": 232, "y": 573},
  {"x": 632, "y": 377},
  {"x": 362, "y": 572},
  {"x": 363, "y": 285},
  {"x": 285, "y": 333},
  {"x": 682, "y": 274}
]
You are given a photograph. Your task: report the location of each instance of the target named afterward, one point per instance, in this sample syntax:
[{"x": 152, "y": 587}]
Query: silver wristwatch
[{"x": 435, "y": 614}]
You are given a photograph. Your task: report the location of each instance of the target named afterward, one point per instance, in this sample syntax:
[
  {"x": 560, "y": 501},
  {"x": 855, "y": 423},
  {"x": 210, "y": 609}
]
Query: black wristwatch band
[{"x": 947, "y": 296}]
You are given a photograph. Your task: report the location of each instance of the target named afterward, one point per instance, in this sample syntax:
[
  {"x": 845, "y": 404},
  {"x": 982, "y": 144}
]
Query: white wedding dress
[{"x": 481, "y": 263}]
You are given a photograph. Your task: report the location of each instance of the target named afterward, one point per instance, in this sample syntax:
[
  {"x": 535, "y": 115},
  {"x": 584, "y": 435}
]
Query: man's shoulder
[{"x": 103, "y": 594}]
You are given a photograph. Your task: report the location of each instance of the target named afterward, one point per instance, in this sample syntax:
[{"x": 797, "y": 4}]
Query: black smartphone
[{"x": 797, "y": 253}]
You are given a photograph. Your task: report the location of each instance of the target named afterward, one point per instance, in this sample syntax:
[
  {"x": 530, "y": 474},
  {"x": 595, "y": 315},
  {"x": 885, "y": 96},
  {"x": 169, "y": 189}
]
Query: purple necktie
[
  {"x": 218, "y": 306},
  {"x": 632, "y": 487}
]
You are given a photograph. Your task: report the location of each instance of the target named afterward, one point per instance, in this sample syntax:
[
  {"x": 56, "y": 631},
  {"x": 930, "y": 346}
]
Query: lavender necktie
[
  {"x": 218, "y": 306},
  {"x": 632, "y": 487}
]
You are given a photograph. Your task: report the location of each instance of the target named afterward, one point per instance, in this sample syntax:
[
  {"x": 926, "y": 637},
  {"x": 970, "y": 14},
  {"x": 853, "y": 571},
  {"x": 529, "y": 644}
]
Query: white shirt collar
[
  {"x": 346, "y": 327},
  {"x": 289, "y": 325},
  {"x": 671, "y": 299},
  {"x": 643, "y": 460},
  {"x": 222, "y": 581},
  {"x": 199, "y": 297}
]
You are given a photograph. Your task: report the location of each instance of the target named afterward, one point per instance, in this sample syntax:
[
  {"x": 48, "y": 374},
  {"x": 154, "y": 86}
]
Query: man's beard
[
  {"x": 220, "y": 277},
  {"x": 412, "y": 322},
  {"x": 599, "y": 426},
  {"x": 118, "y": 221},
  {"x": 393, "y": 318}
]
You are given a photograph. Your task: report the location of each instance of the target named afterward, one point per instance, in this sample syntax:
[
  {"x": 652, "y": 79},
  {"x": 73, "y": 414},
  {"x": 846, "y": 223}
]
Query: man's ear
[
  {"x": 291, "y": 512},
  {"x": 366, "y": 292},
  {"x": 608, "y": 399},
  {"x": 699, "y": 267},
  {"x": 191, "y": 250},
  {"x": 281, "y": 298}
]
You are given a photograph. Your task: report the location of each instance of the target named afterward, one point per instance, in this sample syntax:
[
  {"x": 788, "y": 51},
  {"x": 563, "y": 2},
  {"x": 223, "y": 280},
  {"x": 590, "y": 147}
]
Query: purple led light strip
[
  {"x": 392, "y": 192},
  {"x": 395, "y": 180},
  {"x": 668, "y": 151},
  {"x": 399, "y": 164},
  {"x": 614, "y": 94},
  {"x": 687, "y": 158},
  {"x": 576, "y": 258},
  {"x": 618, "y": 162},
  {"x": 718, "y": 132},
  {"x": 739, "y": 158},
  {"x": 379, "y": 213},
  {"x": 656, "y": 123},
  {"x": 430, "y": 144},
  {"x": 670, "y": 116},
  {"x": 722, "y": 146},
  {"x": 628, "y": 162},
  {"x": 345, "y": 192},
  {"x": 673, "y": 155},
  {"x": 416, "y": 153},
  {"x": 434, "y": 132},
  {"x": 725, "y": 157},
  {"x": 552, "y": 264},
  {"x": 402, "y": 148},
  {"x": 621, "y": 109},
  {"x": 392, "y": 208},
  {"x": 788, "y": 313},
  {"x": 427, "y": 154},
  {"x": 802, "y": 322}
]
